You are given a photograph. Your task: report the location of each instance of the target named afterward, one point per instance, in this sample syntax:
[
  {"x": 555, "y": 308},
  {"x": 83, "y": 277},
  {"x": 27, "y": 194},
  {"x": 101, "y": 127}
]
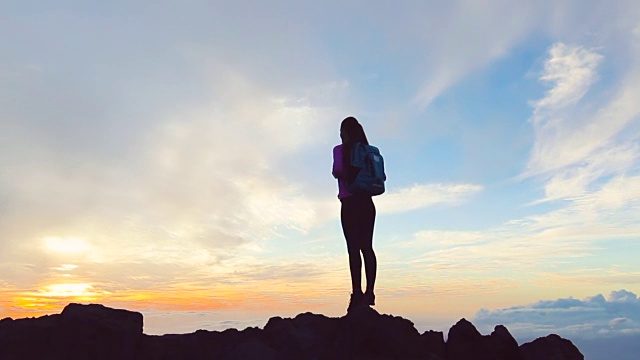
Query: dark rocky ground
[{"x": 98, "y": 332}]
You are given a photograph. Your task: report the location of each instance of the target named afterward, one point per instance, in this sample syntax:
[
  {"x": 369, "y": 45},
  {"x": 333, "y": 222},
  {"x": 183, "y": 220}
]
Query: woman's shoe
[
  {"x": 369, "y": 298},
  {"x": 355, "y": 300}
]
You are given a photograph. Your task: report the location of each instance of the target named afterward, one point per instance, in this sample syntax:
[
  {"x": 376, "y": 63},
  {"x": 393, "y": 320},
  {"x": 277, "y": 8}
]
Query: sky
[{"x": 174, "y": 158}]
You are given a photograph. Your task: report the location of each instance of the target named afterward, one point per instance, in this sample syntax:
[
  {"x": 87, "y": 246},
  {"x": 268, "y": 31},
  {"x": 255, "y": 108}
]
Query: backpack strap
[{"x": 359, "y": 155}]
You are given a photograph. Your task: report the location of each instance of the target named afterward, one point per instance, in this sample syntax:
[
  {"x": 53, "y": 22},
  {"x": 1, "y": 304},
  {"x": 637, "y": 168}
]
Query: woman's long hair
[{"x": 352, "y": 132}]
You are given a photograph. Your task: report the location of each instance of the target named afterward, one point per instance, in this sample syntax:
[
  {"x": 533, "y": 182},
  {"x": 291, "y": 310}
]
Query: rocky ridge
[{"x": 98, "y": 332}]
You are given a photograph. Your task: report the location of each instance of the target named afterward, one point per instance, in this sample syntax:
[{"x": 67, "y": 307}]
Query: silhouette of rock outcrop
[
  {"x": 465, "y": 342},
  {"x": 98, "y": 332},
  {"x": 551, "y": 347}
]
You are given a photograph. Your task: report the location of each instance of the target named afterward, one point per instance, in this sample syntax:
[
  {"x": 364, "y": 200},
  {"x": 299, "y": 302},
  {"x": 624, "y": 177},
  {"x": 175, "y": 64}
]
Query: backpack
[{"x": 369, "y": 165}]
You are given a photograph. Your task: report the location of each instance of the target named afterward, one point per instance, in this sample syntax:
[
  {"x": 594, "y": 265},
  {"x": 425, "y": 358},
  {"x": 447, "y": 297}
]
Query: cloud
[
  {"x": 560, "y": 240},
  {"x": 493, "y": 29},
  {"x": 572, "y": 71},
  {"x": 580, "y": 143},
  {"x": 487, "y": 36},
  {"x": 182, "y": 193},
  {"x": 623, "y": 296},
  {"x": 514, "y": 246},
  {"x": 593, "y": 317},
  {"x": 423, "y": 195},
  {"x": 596, "y": 276},
  {"x": 150, "y": 145},
  {"x": 166, "y": 322}
]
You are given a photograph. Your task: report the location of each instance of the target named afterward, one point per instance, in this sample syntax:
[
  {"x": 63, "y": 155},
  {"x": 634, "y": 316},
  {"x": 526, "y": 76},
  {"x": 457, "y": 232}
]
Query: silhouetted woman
[{"x": 357, "y": 215}]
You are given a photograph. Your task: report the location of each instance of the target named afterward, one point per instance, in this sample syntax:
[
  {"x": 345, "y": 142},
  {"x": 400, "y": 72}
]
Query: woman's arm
[{"x": 338, "y": 168}]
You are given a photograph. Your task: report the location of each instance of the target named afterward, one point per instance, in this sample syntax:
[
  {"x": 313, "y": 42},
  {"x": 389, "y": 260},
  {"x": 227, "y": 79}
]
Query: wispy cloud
[
  {"x": 557, "y": 239},
  {"x": 571, "y": 70},
  {"x": 424, "y": 195},
  {"x": 488, "y": 34},
  {"x": 564, "y": 137},
  {"x": 592, "y": 276},
  {"x": 580, "y": 143}
]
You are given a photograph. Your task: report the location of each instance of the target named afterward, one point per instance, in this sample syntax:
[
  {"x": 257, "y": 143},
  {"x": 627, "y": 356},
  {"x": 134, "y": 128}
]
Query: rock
[
  {"x": 96, "y": 315},
  {"x": 551, "y": 347},
  {"x": 365, "y": 334},
  {"x": 304, "y": 337},
  {"x": 465, "y": 342},
  {"x": 433, "y": 342},
  {"x": 80, "y": 332},
  {"x": 98, "y": 332},
  {"x": 29, "y": 338},
  {"x": 503, "y": 344}
]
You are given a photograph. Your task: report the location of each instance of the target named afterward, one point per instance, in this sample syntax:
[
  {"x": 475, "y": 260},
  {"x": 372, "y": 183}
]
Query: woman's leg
[
  {"x": 350, "y": 228},
  {"x": 370, "y": 266},
  {"x": 370, "y": 261}
]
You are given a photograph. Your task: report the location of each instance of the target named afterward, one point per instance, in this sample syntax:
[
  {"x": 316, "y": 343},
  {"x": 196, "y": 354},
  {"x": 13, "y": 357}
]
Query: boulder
[
  {"x": 465, "y": 342},
  {"x": 551, "y": 347},
  {"x": 80, "y": 332}
]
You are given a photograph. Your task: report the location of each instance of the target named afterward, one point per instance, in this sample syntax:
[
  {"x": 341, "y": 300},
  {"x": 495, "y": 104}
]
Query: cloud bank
[{"x": 594, "y": 317}]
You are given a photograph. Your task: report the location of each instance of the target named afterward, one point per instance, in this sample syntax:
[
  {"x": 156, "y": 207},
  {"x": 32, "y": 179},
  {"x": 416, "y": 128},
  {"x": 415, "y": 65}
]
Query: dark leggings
[{"x": 358, "y": 215}]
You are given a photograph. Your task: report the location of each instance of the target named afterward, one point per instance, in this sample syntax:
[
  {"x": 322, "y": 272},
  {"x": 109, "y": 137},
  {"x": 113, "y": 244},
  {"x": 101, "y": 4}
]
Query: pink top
[{"x": 340, "y": 173}]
